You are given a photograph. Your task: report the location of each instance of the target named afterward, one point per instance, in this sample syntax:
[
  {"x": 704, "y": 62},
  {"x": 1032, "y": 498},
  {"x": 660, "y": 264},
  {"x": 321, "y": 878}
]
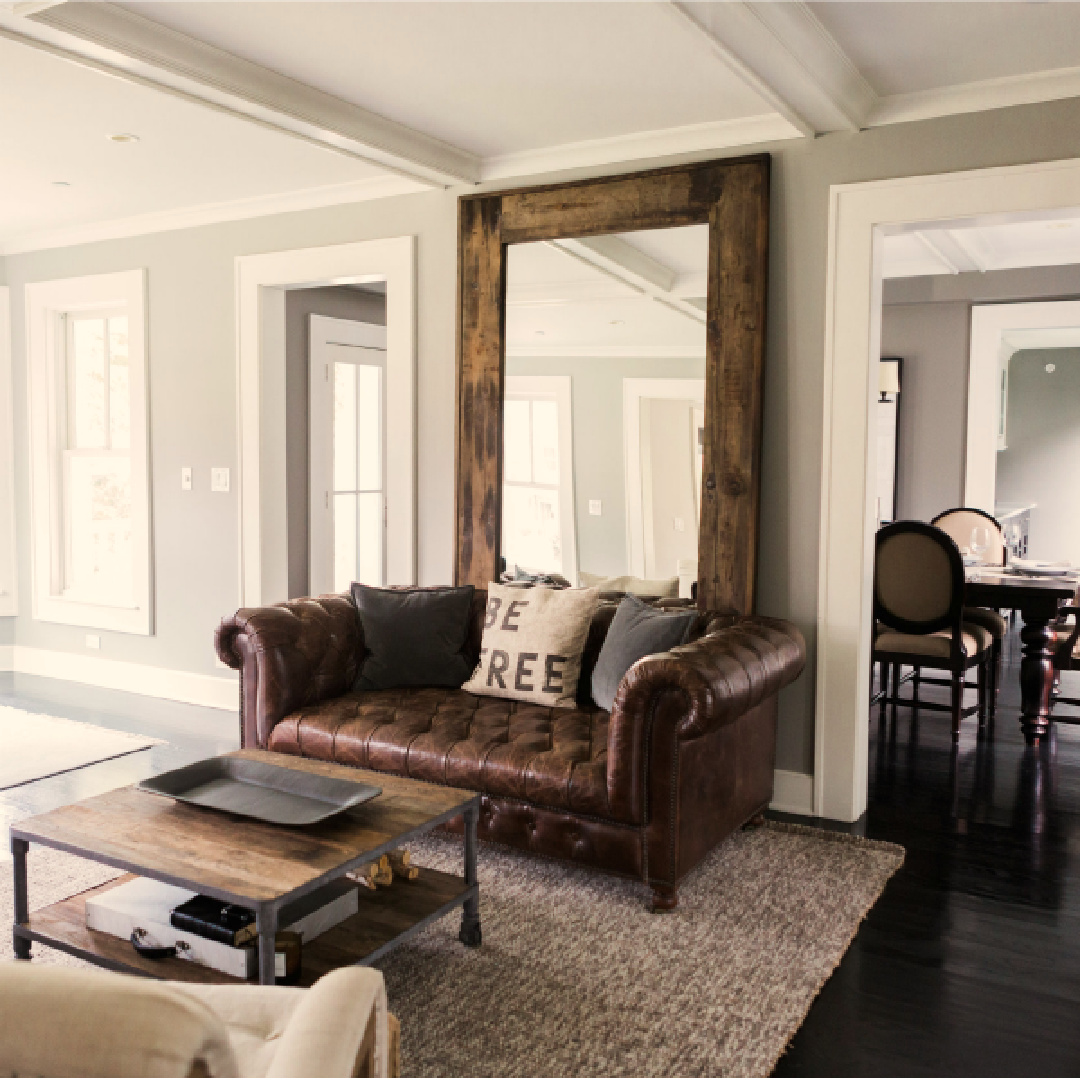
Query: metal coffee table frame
[{"x": 267, "y": 911}]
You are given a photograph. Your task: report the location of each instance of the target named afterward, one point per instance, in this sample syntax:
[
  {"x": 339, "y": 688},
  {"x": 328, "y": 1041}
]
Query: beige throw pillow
[{"x": 532, "y": 644}]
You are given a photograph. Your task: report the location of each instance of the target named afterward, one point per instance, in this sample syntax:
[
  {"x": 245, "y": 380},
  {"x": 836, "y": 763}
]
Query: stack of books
[{"x": 208, "y": 931}]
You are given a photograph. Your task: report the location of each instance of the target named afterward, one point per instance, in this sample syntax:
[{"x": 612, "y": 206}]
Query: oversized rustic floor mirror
[{"x": 610, "y": 355}]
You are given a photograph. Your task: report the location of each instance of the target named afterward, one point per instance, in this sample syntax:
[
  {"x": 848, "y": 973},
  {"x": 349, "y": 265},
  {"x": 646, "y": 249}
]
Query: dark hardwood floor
[{"x": 969, "y": 964}]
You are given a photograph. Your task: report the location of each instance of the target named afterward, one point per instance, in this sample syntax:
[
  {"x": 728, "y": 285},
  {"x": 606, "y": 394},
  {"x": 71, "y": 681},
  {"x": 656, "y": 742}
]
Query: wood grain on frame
[{"x": 733, "y": 197}]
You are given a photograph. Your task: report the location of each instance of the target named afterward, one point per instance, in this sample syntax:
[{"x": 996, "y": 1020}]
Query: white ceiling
[
  {"x": 247, "y": 108},
  {"x": 558, "y": 303},
  {"x": 55, "y": 119},
  {"x": 971, "y": 247}
]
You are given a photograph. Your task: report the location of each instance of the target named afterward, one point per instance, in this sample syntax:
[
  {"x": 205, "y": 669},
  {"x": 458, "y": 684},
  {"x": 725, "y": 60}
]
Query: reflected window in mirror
[{"x": 604, "y": 410}]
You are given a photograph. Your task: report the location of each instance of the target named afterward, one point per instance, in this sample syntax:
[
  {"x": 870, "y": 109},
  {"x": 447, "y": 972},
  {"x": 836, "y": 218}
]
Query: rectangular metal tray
[{"x": 260, "y": 790}]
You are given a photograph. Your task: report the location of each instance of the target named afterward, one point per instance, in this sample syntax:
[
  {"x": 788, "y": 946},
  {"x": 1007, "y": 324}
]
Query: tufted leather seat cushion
[{"x": 554, "y": 758}]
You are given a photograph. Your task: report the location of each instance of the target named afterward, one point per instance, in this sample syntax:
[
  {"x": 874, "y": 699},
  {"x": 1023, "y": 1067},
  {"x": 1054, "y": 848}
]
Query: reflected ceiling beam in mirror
[
  {"x": 642, "y": 273},
  {"x": 947, "y": 248}
]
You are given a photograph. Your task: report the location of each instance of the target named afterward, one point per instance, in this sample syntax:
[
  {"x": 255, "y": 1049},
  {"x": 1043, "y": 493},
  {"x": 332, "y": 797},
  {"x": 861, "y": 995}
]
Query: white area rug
[{"x": 36, "y": 745}]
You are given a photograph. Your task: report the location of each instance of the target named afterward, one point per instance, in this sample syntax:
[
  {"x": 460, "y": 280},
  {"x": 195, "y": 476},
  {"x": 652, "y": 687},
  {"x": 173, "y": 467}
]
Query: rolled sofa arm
[
  {"x": 723, "y": 674},
  {"x": 289, "y": 656},
  {"x": 739, "y": 662}
]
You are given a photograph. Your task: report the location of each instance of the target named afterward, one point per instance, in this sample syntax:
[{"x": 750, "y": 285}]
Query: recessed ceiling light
[
  {"x": 539, "y": 333},
  {"x": 123, "y": 136},
  {"x": 61, "y": 183},
  {"x": 1051, "y": 368},
  {"x": 618, "y": 322}
]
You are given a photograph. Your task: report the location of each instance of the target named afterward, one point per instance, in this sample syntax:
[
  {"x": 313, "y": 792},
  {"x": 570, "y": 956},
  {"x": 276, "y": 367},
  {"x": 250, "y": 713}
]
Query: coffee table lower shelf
[{"x": 388, "y": 916}]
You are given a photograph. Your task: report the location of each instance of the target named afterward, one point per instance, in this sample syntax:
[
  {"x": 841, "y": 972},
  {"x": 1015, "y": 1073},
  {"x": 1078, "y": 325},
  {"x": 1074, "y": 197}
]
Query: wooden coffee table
[{"x": 261, "y": 866}]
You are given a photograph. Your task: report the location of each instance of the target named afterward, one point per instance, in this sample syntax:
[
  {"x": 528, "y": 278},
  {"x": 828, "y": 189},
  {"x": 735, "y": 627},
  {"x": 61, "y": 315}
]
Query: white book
[{"x": 146, "y": 904}]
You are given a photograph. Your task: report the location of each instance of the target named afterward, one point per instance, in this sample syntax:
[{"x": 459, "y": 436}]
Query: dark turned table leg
[
  {"x": 19, "y": 944},
  {"x": 1036, "y": 677}
]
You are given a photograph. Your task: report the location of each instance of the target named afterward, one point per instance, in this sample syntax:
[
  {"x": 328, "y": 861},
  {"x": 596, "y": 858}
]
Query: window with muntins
[{"x": 89, "y": 462}]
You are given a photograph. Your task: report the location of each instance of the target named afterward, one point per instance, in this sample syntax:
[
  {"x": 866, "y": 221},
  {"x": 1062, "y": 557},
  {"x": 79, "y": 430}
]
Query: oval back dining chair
[
  {"x": 919, "y": 618},
  {"x": 959, "y": 523}
]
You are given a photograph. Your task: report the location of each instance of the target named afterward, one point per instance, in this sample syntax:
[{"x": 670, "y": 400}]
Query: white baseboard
[
  {"x": 793, "y": 792},
  {"x": 215, "y": 692}
]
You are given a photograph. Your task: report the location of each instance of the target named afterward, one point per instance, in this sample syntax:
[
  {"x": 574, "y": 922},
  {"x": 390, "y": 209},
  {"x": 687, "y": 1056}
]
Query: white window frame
[
  {"x": 364, "y": 337},
  {"x": 8, "y": 575},
  {"x": 555, "y": 388},
  {"x": 46, "y": 304}
]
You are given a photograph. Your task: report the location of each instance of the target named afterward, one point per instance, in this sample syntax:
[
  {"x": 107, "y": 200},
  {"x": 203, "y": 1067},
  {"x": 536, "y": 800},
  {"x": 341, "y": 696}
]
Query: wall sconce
[{"x": 888, "y": 380}]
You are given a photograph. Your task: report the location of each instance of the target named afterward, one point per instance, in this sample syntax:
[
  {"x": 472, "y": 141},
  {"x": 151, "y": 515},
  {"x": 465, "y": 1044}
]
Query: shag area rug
[
  {"x": 37, "y": 745},
  {"x": 577, "y": 978}
]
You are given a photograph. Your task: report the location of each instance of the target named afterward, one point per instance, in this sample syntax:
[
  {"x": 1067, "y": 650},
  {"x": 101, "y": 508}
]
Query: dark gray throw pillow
[
  {"x": 637, "y": 630},
  {"x": 413, "y": 637}
]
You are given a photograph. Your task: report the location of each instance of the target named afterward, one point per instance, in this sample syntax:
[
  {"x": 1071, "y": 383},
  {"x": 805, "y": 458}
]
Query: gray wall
[
  {"x": 1043, "y": 435},
  {"x": 596, "y": 402},
  {"x": 341, "y": 302},
  {"x": 193, "y": 374},
  {"x": 933, "y": 340},
  {"x": 927, "y": 321}
]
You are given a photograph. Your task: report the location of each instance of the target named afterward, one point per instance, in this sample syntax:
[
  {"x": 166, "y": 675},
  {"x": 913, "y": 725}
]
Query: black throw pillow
[
  {"x": 413, "y": 637},
  {"x": 638, "y": 629}
]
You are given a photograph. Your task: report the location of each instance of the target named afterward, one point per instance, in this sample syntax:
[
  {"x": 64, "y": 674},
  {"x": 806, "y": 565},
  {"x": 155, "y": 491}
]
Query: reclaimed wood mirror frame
[{"x": 733, "y": 198}]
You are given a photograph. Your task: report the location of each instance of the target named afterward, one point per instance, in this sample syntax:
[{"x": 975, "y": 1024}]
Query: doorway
[
  {"x": 262, "y": 285},
  {"x": 861, "y": 215}
]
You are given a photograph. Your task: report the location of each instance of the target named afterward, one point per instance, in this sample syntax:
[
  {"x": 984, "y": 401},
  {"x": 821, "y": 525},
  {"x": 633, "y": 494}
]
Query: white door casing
[
  {"x": 997, "y": 331},
  {"x": 859, "y": 217},
  {"x": 261, "y": 283}
]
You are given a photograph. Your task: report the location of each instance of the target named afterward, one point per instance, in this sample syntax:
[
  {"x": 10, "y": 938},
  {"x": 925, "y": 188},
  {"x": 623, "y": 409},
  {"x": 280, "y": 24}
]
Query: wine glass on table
[{"x": 980, "y": 542}]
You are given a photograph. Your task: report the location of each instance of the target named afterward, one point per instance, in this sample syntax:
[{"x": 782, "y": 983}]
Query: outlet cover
[
  {"x": 93, "y": 641},
  {"x": 185, "y": 478},
  {"x": 680, "y": 525},
  {"x": 596, "y": 507},
  {"x": 219, "y": 479}
]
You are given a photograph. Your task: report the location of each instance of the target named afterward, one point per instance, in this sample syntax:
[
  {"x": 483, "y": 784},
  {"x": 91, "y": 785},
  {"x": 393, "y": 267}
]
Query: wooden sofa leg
[
  {"x": 756, "y": 821},
  {"x": 665, "y": 897}
]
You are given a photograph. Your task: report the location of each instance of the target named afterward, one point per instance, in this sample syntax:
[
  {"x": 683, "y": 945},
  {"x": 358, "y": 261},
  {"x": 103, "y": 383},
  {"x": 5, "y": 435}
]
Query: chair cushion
[
  {"x": 552, "y": 757},
  {"x": 975, "y": 640},
  {"x": 988, "y": 619}
]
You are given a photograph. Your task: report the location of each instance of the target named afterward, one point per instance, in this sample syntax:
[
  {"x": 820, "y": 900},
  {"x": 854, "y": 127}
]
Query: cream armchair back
[{"x": 83, "y": 1022}]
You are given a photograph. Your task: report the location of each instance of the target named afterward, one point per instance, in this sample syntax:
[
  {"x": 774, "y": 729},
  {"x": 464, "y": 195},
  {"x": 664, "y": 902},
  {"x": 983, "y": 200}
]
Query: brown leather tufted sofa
[{"x": 684, "y": 758}]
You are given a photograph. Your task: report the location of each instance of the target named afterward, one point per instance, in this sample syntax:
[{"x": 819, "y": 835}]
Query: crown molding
[
  {"x": 129, "y": 46},
  {"x": 981, "y": 96},
  {"x": 378, "y": 187},
  {"x": 641, "y": 146}
]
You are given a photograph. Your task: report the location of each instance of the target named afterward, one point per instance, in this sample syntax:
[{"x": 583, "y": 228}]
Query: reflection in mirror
[{"x": 604, "y": 410}]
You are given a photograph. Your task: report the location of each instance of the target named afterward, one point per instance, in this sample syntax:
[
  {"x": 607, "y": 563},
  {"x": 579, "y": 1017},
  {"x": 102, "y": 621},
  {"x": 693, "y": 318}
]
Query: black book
[{"x": 216, "y": 920}]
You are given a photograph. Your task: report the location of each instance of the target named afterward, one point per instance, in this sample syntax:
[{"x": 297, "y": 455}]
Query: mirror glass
[{"x": 604, "y": 410}]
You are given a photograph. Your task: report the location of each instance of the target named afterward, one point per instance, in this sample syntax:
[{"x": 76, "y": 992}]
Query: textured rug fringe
[{"x": 836, "y": 837}]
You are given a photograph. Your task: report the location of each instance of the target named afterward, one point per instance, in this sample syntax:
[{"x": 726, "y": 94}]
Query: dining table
[{"x": 1039, "y": 600}]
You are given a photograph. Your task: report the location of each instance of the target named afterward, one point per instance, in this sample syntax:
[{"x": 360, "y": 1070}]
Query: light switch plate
[
  {"x": 185, "y": 478},
  {"x": 219, "y": 479},
  {"x": 596, "y": 507},
  {"x": 680, "y": 525}
]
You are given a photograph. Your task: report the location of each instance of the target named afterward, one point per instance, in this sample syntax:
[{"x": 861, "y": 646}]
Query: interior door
[{"x": 347, "y": 454}]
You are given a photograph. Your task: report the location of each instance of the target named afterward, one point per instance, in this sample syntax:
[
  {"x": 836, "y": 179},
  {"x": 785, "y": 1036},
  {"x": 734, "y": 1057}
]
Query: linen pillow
[
  {"x": 532, "y": 644},
  {"x": 413, "y": 637},
  {"x": 635, "y": 586},
  {"x": 637, "y": 630}
]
